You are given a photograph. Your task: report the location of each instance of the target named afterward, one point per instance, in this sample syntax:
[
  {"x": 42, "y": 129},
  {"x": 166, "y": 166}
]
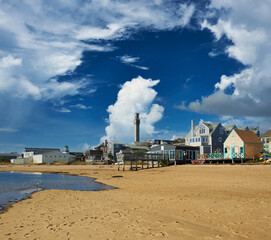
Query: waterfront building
[
  {"x": 51, "y": 157},
  {"x": 242, "y": 144},
  {"x": 178, "y": 153},
  {"x": 266, "y": 139},
  {"x": 209, "y": 137}
]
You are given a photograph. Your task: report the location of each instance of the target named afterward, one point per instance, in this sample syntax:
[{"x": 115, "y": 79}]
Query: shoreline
[
  {"x": 28, "y": 196},
  {"x": 183, "y": 202}
]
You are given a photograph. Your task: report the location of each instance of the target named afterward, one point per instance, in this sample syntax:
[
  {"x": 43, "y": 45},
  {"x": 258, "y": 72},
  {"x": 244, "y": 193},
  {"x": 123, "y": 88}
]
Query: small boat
[{"x": 196, "y": 161}]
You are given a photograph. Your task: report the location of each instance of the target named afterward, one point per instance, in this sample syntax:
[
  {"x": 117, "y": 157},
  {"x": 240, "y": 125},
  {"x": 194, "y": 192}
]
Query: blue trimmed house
[{"x": 242, "y": 144}]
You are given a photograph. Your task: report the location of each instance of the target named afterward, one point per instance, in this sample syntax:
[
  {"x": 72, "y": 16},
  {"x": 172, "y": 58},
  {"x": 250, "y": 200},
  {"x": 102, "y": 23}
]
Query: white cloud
[
  {"x": 136, "y": 95},
  {"x": 129, "y": 60},
  {"x": 63, "y": 110},
  {"x": 85, "y": 147},
  {"x": 81, "y": 106},
  {"x": 42, "y": 39},
  {"x": 11, "y": 130},
  {"x": 247, "y": 24},
  {"x": 110, "y": 32}
]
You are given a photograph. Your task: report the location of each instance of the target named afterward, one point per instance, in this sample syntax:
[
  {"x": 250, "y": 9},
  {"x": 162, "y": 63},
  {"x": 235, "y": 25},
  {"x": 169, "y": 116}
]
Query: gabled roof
[
  {"x": 229, "y": 127},
  {"x": 211, "y": 126},
  {"x": 243, "y": 128},
  {"x": 247, "y": 136},
  {"x": 266, "y": 134}
]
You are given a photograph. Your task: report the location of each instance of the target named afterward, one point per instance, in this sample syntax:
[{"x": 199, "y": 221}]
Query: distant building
[
  {"x": 115, "y": 147},
  {"x": 65, "y": 149},
  {"x": 266, "y": 139},
  {"x": 160, "y": 141},
  {"x": 8, "y": 156},
  {"x": 242, "y": 144},
  {"x": 51, "y": 157},
  {"x": 178, "y": 153},
  {"x": 229, "y": 128},
  {"x": 78, "y": 156},
  {"x": 94, "y": 155},
  {"x": 30, "y": 152},
  {"x": 209, "y": 137}
]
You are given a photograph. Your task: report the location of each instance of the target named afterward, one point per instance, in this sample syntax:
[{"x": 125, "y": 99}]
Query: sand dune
[{"x": 183, "y": 202}]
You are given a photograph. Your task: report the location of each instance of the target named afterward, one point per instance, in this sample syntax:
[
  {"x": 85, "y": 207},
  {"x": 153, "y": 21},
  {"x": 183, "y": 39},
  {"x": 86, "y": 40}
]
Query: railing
[
  {"x": 143, "y": 159},
  {"x": 215, "y": 156},
  {"x": 141, "y": 156}
]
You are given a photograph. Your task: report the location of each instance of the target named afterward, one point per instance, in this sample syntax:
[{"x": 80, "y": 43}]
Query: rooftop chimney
[
  {"x": 136, "y": 123},
  {"x": 192, "y": 128}
]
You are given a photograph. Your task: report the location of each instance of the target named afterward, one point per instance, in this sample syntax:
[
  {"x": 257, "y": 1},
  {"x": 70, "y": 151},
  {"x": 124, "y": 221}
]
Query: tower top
[{"x": 136, "y": 123}]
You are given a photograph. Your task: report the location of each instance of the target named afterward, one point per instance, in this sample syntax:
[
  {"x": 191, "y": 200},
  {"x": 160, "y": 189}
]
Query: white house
[
  {"x": 50, "y": 157},
  {"x": 209, "y": 137}
]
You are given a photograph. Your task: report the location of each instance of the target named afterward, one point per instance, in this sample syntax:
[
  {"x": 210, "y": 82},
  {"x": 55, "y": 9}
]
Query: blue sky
[{"x": 74, "y": 72}]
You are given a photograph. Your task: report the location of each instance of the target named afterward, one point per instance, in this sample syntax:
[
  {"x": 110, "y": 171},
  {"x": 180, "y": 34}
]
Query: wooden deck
[{"x": 136, "y": 161}]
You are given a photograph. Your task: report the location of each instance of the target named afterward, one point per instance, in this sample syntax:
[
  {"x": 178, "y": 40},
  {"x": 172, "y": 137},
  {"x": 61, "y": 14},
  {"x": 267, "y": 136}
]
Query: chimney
[
  {"x": 136, "y": 124},
  {"x": 192, "y": 128}
]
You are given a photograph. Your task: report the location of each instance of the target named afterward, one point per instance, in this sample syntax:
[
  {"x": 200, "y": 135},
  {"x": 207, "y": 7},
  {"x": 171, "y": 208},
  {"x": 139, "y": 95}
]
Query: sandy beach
[{"x": 182, "y": 202}]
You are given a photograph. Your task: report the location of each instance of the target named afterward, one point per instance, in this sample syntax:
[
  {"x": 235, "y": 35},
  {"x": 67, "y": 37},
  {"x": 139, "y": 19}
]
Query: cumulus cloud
[
  {"x": 247, "y": 24},
  {"x": 136, "y": 95}
]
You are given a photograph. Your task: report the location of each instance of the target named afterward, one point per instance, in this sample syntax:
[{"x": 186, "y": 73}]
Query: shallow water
[{"x": 16, "y": 186}]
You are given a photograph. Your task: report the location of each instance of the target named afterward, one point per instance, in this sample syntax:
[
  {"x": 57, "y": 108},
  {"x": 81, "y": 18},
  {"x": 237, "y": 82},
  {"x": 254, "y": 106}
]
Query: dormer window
[{"x": 202, "y": 130}]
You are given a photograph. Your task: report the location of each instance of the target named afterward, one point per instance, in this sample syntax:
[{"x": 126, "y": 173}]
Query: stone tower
[{"x": 136, "y": 123}]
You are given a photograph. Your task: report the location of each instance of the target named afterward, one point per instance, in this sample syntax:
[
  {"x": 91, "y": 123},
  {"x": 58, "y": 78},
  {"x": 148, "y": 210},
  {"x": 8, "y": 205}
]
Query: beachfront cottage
[
  {"x": 209, "y": 137},
  {"x": 51, "y": 157},
  {"x": 178, "y": 153},
  {"x": 242, "y": 144},
  {"x": 266, "y": 139}
]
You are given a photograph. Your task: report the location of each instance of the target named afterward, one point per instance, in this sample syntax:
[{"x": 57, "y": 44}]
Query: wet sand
[{"x": 182, "y": 202}]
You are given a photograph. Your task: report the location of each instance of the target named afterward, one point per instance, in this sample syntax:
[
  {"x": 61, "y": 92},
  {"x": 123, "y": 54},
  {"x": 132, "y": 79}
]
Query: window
[
  {"x": 201, "y": 130},
  {"x": 241, "y": 150},
  {"x": 221, "y": 130},
  {"x": 226, "y": 150},
  {"x": 199, "y": 139},
  {"x": 220, "y": 139},
  {"x": 171, "y": 155},
  {"x": 193, "y": 155}
]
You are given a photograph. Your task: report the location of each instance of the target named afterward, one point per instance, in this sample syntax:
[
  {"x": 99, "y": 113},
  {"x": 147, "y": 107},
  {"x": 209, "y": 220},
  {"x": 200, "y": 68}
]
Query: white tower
[
  {"x": 136, "y": 123},
  {"x": 65, "y": 150}
]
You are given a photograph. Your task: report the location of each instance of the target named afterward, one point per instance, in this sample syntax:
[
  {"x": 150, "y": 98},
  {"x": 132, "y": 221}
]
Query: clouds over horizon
[
  {"x": 45, "y": 39},
  {"x": 136, "y": 95},
  {"x": 247, "y": 25}
]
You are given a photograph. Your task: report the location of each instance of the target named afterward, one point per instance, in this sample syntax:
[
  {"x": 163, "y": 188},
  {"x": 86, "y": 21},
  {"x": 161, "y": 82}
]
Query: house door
[
  {"x": 181, "y": 155},
  {"x": 233, "y": 155}
]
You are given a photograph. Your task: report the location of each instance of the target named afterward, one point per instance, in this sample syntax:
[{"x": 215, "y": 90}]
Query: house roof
[
  {"x": 266, "y": 134},
  {"x": 243, "y": 128},
  {"x": 211, "y": 126},
  {"x": 247, "y": 136},
  {"x": 229, "y": 127}
]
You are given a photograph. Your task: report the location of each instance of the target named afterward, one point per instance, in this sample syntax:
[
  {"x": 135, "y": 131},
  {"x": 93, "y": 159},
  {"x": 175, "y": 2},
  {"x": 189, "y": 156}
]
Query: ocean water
[{"x": 16, "y": 186}]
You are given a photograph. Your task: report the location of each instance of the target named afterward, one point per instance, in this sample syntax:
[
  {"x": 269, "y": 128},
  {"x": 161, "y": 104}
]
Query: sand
[{"x": 182, "y": 202}]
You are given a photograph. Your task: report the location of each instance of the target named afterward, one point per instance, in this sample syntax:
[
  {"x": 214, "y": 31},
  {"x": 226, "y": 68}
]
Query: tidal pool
[{"x": 15, "y": 186}]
